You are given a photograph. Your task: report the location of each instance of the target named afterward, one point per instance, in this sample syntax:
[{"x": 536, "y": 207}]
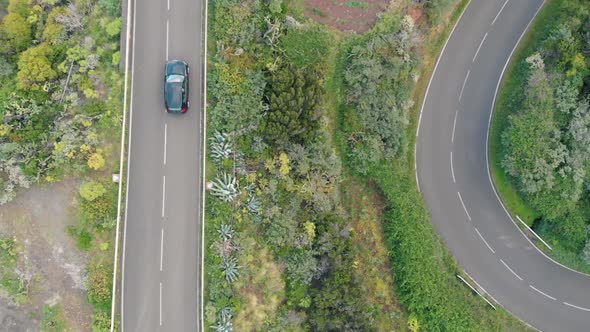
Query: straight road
[
  {"x": 453, "y": 174},
  {"x": 161, "y": 246}
]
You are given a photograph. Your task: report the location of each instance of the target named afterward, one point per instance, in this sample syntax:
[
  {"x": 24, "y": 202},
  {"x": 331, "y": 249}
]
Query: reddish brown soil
[{"x": 343, "y": 15}]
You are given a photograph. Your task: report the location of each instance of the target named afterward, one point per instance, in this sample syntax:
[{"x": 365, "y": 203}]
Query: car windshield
[{"x": 175, "y": 79}]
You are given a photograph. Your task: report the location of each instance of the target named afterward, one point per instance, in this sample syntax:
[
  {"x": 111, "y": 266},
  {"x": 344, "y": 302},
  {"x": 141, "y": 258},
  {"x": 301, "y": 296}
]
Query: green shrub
[
  {"x": 92, "y": 190},
  {"x": 99, "y": 284},
  {"x": 306, "y": 47},
  {"x": 53, "y": 320},
  {"x": 101, "y": 321},
  {"x": 16, "y": 33}
]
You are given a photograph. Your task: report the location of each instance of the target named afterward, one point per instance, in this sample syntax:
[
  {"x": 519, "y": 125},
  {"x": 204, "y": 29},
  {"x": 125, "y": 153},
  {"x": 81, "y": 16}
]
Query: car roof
[
  {"x": 173, "y": 93},
  {"x": 176, "y": 67}
]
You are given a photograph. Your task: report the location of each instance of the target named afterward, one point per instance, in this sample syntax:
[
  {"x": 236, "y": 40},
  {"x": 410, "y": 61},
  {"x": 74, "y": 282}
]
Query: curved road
[
  {"x": 453, "y": 174},
  {"x": 161, "y": 246}
]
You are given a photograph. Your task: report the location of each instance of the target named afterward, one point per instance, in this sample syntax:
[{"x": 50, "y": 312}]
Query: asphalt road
[
  {"x": 161, "y": 248},
  {"x": 453, "y": 175}
]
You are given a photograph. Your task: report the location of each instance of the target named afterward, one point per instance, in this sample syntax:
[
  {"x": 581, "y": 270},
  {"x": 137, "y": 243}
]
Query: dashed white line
[
  {"x": 452, "y": 170},
  {"x": 544, "y": 294},
  {"x": 484, "y": 241},
  {"x": 165, "y": 140},
  {"x": 167, "y": 33},
  {"x": 454, "y": 125},
  {"x": 168, "y": 4},
  {"x": 160, "y": 304},
  {"x": 464, "y": 82},
  {"x": 509, "y": 269},
  {"x": 575, "y": 306},
  {"x": 464, "y": 208},
  {"x": 501, "y": 9},
  {"x": 163, "y": 195},
  {"x": 479, "y": 48},
  {"x": 162, "y": 250}
]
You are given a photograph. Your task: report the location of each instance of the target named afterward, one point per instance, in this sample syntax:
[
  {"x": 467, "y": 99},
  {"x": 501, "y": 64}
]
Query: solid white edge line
[
  {"x": 162, "y": 249},
  {"x": 167, "y": 33},
  {"x": 483, "y": 289},
  {"x": 163, "y": 195},
  {"x": 452, "y": 170},
  {"x": 511, "y": 270},
  {"x": 436, "y": 65},
  {"x": 476, "y": 291},
  {"x": 165, "y": 140},
  {"x": 484, "y": 241},
  {"x": 480, "y": 45},
  {"x": 501, "y": 9},
  {"x": 204, "y": 156},
  {"x": 535, "y": 234},
  {"x": 125, "y": 93},
  {"x": 160, "y": 303},
  {"x": 464, "y": 208},
  {"x": 488, "y": 152},
  {"x": 544, "y": 294},
  {"x": 464, "y": 82},
  {"x": 454, "y": 126},
  {"x": 575, "y": 306}
]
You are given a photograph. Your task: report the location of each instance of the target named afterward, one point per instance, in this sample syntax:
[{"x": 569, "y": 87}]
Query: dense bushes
[{"x": 545, "y": 139}]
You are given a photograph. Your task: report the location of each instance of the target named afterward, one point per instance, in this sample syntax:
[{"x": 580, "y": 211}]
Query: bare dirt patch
[
  {"x": 346, "y": 15},
  {"x": 49, "y": 258}
]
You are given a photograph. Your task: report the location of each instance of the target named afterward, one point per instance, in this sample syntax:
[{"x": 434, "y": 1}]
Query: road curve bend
[{"x": 453, "y": 176}]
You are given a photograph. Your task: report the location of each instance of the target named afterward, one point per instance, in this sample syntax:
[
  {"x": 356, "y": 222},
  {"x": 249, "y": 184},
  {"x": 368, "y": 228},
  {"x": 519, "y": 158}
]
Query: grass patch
[
  {"x": 511, "y": 88},
  {"x": 10, "y": 281},
  {"x": 357, "y": 4},
  {"x": 319, "y": 12},
  {"x": 53, "y": 319}
]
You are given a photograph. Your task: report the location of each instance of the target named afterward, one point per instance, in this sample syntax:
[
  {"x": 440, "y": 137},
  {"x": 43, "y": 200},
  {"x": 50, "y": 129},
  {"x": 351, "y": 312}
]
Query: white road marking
[
  {"x": 165, "y": 140},
  {"x": 452, "y": 170},
  {"x": 575, "y": 306},
  {"x": 483, "y": 289},
  {"x": 419, "y": 121},
  {"x": 163, "y": 195},
  {"x": 113, "y": 306},
  {"x": 464, "y": 82},
  {"x": 544, "y": 294},
  {"x": 480, "y": 44},
  {"x": 161, "y": 250},
  {"x": 509, "y": 269},
  {"x": 454, "y": 125},
  {"x": 160, "y": 304},
  {"x": 464, "y": 208},
  {"x": 501, "y": 9},
  {"x": 475, "y": 290},
  {"x": 200, "y": 326},
  {"x": 168, "y": 4},
  {"x": 484, "y": 241},
  {"x": 167, "y": 33}
]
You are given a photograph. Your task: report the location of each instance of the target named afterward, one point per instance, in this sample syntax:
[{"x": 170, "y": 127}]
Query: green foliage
[
  {"x": 294, "y": 99},
  {"x": 15, "y": 33},
  {"x": 99, "y": 285},
  {"x": 34, "y": 67},
  {"x": 54, "y": 32},
  {"x": 379, "y": 77},
  {"x": 436, "y": 8},
  {"x": 92, "y": 190},
  {"x": 101, "y": 321},
  {"x": 113, "y": 28},
  {"x": 53, "y": 320},
  {"x": 357, "y": 4},
  {"x": 305, "y": 47},
  {"x": 544, "y": 119},
  {"x": 111, "y": 7},
  {"x": 10, "y": 281}
]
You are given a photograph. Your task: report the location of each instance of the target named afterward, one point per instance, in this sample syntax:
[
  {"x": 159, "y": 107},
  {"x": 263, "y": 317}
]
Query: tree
[
  {"x": 92, "y": 190},
  {"x": 96, "y": 161},
  {"x": 54, "y": 32},
  {"x": 35, "y": 68},
  {"x": 293, "y": 97},
  {"x": 16, "y": 33}
]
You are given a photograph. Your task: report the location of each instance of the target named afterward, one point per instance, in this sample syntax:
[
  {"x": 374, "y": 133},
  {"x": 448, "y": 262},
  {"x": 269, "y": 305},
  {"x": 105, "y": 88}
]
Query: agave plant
[
  {"x": 253, "y": 204},
  {"x": 220, "y": 146},
  {"x": 230, "y": 269},
  {"x": 225, "y": 188},
  {"x": 226, "y": 231},
  {"x": 224, "y": 323}
]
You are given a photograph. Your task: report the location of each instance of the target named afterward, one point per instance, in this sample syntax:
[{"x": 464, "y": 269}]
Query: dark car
[{"x": 176, "y": 86}]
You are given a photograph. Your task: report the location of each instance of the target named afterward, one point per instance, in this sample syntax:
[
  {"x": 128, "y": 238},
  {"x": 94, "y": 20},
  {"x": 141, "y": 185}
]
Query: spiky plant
[
  {"x": 220, "y": 146},
  {"x": 225, "y": 187},
  {"x": 224, "y": 323},
  {"x": 230, "y": 269},
  {"x": 226, "y": 231},
  {"x": 253, "y": 204}
]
